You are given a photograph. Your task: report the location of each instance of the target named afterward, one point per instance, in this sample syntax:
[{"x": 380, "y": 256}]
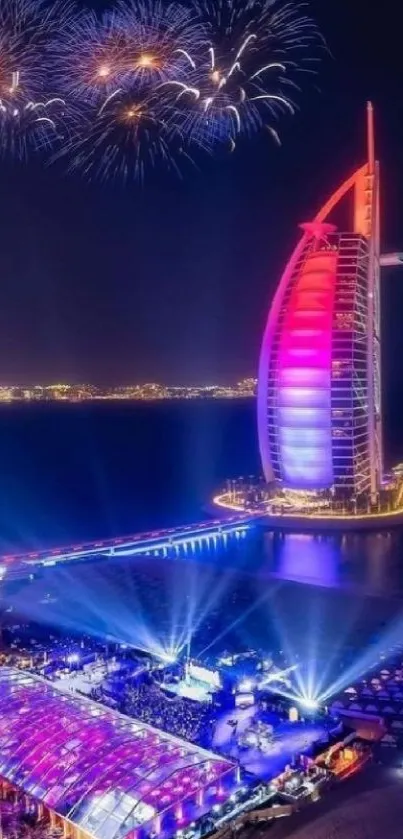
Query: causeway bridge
[{"x": 165, "y": 542}]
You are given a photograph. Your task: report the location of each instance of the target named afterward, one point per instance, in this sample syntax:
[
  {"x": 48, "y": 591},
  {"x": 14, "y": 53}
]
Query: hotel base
[{"x": 278, "y": 508}]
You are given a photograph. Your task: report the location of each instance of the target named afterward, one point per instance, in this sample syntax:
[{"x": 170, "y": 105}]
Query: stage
[
  {"x": 199, "y": 683},
  {"x": 289, "y": 740},
  {"x": 187, "y": 689}
]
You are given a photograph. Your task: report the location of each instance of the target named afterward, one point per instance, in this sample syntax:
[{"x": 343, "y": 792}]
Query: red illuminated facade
[{"x": 319, "y": 412}]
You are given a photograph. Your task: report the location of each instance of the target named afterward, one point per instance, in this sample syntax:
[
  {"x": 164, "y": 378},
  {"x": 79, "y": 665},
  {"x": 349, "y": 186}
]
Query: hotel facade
[{"x": 319, "y": 387}]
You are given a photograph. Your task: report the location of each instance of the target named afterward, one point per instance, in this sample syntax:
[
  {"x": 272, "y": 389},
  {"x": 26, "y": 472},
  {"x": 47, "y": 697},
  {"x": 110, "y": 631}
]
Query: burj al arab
[{"x": 319, "y": 402}]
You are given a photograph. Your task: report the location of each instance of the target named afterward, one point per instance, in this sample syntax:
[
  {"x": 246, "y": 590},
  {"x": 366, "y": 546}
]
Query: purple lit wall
[
  {"x": 304, "y": 376},
  {"x": 295, "y": 371}
]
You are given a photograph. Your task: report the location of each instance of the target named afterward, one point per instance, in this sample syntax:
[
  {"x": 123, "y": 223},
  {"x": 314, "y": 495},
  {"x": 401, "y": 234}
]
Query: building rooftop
[{"x": 108, "y": 774}]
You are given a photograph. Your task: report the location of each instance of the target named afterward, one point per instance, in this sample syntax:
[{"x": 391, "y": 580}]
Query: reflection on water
[
  {"x": 368, "y": 564},
  {"x": 79, "y": 472},
  {"x": 304, "y": 559},
  {"x": 260, "y": 591}
]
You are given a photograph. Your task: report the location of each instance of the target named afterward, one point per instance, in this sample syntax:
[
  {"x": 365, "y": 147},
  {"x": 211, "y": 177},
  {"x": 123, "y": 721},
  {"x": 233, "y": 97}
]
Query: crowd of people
[
  {"x": 190, "y": 720},
  {"x": 45, "y": 652}
]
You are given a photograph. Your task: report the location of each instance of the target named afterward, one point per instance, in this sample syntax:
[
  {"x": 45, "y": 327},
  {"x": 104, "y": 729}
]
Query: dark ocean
[
  {"x": 71, "y": 472},
  {"x": 81, "y": 471}
]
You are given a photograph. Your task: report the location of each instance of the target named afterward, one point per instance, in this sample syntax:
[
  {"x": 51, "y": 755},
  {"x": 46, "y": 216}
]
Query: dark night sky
[{"x": 172, "y": 281}]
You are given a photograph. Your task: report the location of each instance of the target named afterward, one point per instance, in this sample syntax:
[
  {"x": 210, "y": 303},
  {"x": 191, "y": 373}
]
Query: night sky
[{"x": 171, "y": 281}]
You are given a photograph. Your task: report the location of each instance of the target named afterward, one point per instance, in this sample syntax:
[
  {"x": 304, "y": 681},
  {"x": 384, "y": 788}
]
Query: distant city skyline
[{"x": 147, "y": 391}]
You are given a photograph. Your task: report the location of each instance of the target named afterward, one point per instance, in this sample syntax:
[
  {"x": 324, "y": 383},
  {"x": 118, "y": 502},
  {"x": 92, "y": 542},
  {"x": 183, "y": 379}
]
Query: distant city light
[{"x": 149, "y": 391}]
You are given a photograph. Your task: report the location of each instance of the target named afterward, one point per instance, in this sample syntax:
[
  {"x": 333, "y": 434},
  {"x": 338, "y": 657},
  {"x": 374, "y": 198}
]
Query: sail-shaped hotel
[
  {"x": 319, "y": 413},
  {"x": 319, "y": 383}
]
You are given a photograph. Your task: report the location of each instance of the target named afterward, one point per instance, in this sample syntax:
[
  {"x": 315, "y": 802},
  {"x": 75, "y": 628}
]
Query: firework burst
[
  {"x": 244, "y": 77},
  {"x": 89, "y": 58},
  {"x": 148, "y": 81},
  {"x": 159, "y": 36},
  {"x": 221, "y": 100},
  {"x": 136, "y": 44},
  {"x": 29, "y": 114},
  {"x": 33, "y": 123},
  {"x": 112, "y": 69},
  {"x": 131, "y": 132}
]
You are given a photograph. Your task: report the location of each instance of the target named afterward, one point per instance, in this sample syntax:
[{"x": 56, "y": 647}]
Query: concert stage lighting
[
  {"x": 169, "y": 658},
  {"x": 309, "y": 704},
  {"x": 73, "y": 658}
]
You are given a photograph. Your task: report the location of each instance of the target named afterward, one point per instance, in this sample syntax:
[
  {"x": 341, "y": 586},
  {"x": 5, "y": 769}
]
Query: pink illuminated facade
[{"x": 319, "y": 410}]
